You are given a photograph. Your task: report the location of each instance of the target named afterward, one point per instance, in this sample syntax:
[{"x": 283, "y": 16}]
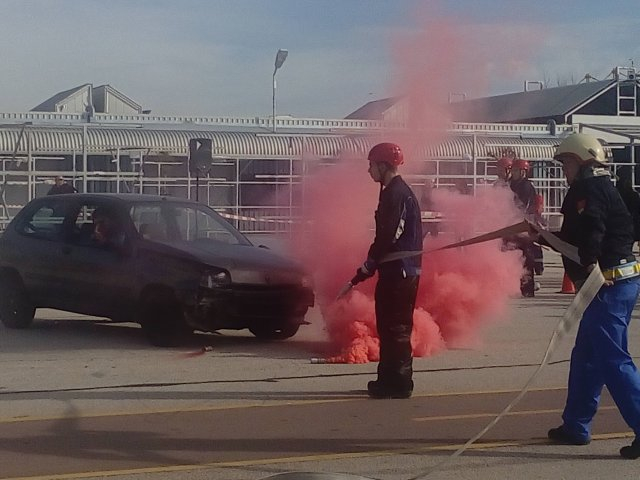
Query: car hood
[{"x": 246, "y": 264}]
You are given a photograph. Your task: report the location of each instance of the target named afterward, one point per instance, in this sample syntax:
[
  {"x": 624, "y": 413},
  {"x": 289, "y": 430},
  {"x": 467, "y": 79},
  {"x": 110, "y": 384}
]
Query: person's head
[
  {"x": 579, "y": 151},
  {"x": 503, "y": 168},
  {"x": 519, "y": 169},
  {"x": 103, "y": 224},
  {"x": 384, "y": 160},
  {"x": 59, "y": 180}
]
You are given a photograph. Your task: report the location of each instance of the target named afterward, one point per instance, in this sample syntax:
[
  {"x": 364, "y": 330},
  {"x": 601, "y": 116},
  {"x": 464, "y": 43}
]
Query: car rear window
[{"x": 45, "y": 222}]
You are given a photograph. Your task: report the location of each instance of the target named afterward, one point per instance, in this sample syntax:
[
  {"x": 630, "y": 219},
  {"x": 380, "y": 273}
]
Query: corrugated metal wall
[{"x": 59, "y": 140}]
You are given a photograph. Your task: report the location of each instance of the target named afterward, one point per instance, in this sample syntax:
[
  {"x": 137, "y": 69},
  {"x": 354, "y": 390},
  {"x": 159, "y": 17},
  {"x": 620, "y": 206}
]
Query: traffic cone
[{"x": 567, "y": 285}]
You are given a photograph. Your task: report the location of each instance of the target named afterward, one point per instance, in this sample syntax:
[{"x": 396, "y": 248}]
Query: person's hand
[
  {"x": 532, "y": 234},
  {"x": 361, "y": 275}
]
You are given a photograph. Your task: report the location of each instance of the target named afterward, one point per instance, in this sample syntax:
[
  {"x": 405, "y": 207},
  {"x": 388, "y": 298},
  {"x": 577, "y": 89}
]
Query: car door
[
  {"x": 102, "y": 275},
  {"x": 38, "y": 243}
]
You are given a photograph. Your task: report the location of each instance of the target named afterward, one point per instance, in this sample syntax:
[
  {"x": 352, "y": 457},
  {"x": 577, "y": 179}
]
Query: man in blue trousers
[{"x": 598, "y": 223}]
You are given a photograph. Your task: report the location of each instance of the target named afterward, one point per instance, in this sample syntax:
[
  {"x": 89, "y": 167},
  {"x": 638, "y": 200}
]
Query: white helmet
[{"x": 586, "y": 147}]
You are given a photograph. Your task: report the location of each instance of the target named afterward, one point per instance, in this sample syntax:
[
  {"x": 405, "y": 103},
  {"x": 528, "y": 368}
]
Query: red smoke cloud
[{"x": 460, "y": 289}]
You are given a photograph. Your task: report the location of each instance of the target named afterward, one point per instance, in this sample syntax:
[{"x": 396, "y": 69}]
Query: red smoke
[{"x": 460, "y": 289}]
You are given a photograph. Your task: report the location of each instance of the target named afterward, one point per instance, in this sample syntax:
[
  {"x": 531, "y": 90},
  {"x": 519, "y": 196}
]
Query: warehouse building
[{"x": 100, "y": 140}]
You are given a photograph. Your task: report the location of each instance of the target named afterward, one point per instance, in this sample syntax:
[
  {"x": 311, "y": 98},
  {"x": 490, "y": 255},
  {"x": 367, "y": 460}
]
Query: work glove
[{"x": 367, "y": 270}]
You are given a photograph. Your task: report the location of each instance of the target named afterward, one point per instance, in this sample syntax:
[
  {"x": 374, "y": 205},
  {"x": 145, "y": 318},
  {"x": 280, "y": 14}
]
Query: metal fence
[{"x": 256, "y": 180}]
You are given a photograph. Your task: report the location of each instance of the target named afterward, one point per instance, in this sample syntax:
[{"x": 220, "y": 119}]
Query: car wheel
[
  {"x": 270, "y": 332},
  {"x": 16, "y": 310},
  {"x": 162, "y": 320}
]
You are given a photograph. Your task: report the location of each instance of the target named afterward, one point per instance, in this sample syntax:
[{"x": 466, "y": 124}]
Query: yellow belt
[{"x": 622, "y": 271}]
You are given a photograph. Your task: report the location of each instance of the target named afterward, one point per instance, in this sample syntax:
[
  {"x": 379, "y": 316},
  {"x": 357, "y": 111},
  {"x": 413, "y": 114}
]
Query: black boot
[
  {"x": 377, "y": 389},
  {"x": 631, "y": 451},
  {"x": 560, "y": 435}
]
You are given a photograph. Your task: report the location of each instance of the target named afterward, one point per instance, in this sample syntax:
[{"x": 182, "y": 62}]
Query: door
[{"x": 100, "y": 262}]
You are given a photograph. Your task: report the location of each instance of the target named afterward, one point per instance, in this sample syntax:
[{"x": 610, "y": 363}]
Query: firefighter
[
  {"x": 61, "y": 186},
  {"x": 522, "y": 187},
  {"x": 398, "y": 229},
  {"x": 598, "y": 223},
  {"x": 526, "y": 200},
  {"x": 503, "y": 170}
]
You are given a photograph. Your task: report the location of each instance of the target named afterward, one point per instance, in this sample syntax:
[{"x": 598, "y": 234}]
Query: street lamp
[{"x": 281, "y": 56}]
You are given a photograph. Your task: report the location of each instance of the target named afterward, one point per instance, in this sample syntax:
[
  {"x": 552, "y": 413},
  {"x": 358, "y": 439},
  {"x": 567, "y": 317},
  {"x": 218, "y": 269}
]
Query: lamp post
[{"x": 281, "y": 56}]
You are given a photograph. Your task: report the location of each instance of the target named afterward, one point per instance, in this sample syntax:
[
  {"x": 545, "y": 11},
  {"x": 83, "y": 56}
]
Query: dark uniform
[
  {"x": 398, "y": 229},
  {"x": 61, "y": 189},
  {"x": 598, "y": 223},
  {"x": 525, "y": 194}
]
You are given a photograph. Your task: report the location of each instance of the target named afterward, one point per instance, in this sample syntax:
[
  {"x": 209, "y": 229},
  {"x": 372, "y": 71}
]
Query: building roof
[
  {"x": 631, "y": 132},
  {"x": 533, "y": 106},
  {"x": 49, "y": 105},
  {"x": 108, "y": 89},
  {"x": 373, "y": 110},
  {"x": 530, "y": 105}
]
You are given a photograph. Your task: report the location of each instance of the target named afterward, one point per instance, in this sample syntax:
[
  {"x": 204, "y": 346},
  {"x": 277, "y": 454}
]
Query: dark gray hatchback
[{"x": 172, "y": 265}]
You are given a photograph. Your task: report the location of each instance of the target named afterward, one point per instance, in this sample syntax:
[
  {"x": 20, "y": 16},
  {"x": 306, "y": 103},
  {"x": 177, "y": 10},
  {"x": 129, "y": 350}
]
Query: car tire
[
  {"x": 271, "y": 332},
  {"x": 16, "y": 310},
  {"x": 162, "y": 320}
]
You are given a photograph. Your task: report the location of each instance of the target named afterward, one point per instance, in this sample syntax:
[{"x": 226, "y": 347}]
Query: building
[{"x": 101, "y": 141}]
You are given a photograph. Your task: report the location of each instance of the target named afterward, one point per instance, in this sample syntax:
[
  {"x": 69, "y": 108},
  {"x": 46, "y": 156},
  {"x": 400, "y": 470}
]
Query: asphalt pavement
[{"x": 81, "y": 398}]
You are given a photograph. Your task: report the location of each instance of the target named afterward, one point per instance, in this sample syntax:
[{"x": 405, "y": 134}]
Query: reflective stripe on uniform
[{"x": 622, "y": 272}]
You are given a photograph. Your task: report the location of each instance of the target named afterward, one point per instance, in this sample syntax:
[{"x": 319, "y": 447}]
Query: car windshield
[{"x": 168, "y": 222}]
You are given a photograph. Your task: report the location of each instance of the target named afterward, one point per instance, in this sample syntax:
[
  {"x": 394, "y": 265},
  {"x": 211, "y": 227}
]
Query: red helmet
[
  {"x": 387, "y": 153},
  {"x": 520, "y": 164},
  {"x": 505, "y": 162}
]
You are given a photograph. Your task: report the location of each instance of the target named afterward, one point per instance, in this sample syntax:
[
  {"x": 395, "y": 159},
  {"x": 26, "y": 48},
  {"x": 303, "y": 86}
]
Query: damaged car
[{"x": 172, "y": 265}]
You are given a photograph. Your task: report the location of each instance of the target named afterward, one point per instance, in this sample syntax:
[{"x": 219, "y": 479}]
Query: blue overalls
[
  {"x": 598, "y": 223},
  {"x": 601, "y": 357}
]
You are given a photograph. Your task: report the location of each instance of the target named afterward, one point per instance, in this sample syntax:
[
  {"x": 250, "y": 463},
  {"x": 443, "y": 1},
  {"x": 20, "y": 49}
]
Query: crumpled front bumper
[{"x": 238, "y": 306}]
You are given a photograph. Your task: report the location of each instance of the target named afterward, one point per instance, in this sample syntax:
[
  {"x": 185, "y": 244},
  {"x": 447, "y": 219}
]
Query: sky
[{"x": 216, "y": 57}]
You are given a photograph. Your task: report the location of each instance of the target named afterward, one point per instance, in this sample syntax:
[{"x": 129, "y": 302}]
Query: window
[
  {"x": 149, "y": 222},
  {"x": 196, "y": 224},
  {"x": 46, "y": 222},
  {"x": 84, "y": 226},
  {"x": 97, "y": 225},
  {"x": 171, "y": 222}
]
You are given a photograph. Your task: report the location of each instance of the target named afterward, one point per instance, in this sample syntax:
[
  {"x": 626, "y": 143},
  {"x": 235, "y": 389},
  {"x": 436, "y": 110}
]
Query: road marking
[
  {"x": 271, "y": 404},
  {"x": 467, "y": 416},
  {"x": 305, "y": 458}
]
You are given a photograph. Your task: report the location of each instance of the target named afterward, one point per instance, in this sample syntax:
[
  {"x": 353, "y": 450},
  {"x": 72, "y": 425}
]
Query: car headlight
[{"x": 215, "y": 278}]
